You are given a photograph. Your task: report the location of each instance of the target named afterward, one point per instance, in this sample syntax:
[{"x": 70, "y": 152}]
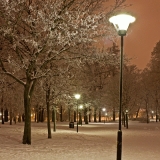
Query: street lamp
[
  {"x": 127, "y": 119},
  {"x": 103, "y": 109},
  {"x": 80, "y": 113},
  {"x": 152, "y": 114},
  {"x": 77, "y": 96},
  {"x": 106, "y": 116},
  {"x": 121, "y": 23}
]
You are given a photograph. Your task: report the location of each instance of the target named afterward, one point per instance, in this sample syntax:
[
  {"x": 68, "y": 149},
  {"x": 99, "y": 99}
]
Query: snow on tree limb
[{"x": 36, "y": 33}]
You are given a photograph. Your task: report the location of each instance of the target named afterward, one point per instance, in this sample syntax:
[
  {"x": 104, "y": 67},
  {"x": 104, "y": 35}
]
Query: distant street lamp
[
  {"x": 80, "y": 117},
  {"x": 77, "y": 96},
  {"x": 106, "y": 116},
  {"x": 103, "y": 109},
  {"x": 121, "y": 23},
  {"x": 127, "y": 119},
  {"x": 152, "y": 114}
]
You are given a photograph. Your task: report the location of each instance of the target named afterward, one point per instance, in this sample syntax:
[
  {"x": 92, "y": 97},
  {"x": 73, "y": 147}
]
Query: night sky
[{"x": 144, "y": 33}]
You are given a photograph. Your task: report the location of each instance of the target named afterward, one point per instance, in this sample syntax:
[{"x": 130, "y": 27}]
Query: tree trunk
[
  {"x": 80, "y": 118},
  {"x": 61, "y": 120},
  {"x": 52, "y": 114},
  {"x": 35, "y": 118},
  {"x": 114, "y": 115},
  {"x": 23, "y": 117},
  {"x": 2, "y": 115},
  {"x": 2, "y": 112},
  {"x": 35, "y": 111},
  {"x": 147, "y": 117},
  {"x": 147, "y": 112},
  {"x": 6, "y": 115},
  {"x": 15, "y": 119},
  {"x": 89, "y": 114},
  {"x": 37, "y": 114},
  {"x": 123, "y": 117},
  {"x": 42, "y": 115},
  {"x": 11, "y": 117},
  {"x": 95, "y": 115},
  {"x": 48, "y": 115},
  {"x": 28, "y": 90},
  {"x": 85, "y": 116},
  {"x": 19, "y": 118},
  {"x": 74, "y": 116},
  {"x": 156, "y": 110},
  {"x": 137, "y": 113},
  {"x": 54, "y": 120},
  {"x": 100, "y": 115},
  {"x": 27, "y": 125}
]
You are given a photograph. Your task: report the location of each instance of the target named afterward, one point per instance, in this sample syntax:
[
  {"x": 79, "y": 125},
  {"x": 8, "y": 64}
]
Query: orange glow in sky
[{"x": 144, "y": 33}]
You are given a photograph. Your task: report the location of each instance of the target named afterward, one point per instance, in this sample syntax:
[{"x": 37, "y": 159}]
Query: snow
[{"x": 94, "y": 141}]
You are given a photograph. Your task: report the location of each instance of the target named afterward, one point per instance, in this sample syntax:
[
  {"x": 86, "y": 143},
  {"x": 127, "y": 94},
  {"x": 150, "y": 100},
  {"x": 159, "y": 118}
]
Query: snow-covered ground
[{"x": 95, "y": 141}]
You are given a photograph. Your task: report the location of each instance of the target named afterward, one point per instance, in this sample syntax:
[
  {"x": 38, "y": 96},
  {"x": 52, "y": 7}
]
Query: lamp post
[
  {"x": 152, "y": 114},
  {"x": 77, "y": 96},
  {"x": 121, "y": 23},
  {"x": 103, "y": 109},
  {"x": 80, "y": 113},
  {"x": 106, "y": 116},
  {"x": 127, "y": 119}
]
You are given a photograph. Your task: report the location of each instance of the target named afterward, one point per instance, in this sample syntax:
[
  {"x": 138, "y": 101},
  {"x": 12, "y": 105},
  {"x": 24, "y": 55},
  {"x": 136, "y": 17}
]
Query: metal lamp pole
[
  {"x": 127, "y": 119},
  {"x": 121, "y": 23},
  {"x": 77, "y": 115},
  {"x": 104, "y": 113},
  {"x": 119, "y": 134},
  {"x": 80, "y": 117},
  {"x": 77, "y": 96}
]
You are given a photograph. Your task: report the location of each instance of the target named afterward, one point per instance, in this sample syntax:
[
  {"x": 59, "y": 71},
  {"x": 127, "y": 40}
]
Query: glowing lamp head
[
  {"x": 77, "y": 96},
  {"x": 121, "y": 22},
  {"x": 80, "y": 106},
  {"x": 103, "y": 109}
]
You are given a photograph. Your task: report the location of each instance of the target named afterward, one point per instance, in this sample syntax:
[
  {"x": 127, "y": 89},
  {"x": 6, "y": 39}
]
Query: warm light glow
[
  {"x": 77, "y": 96},
  {"x": 103, "y": 109},
  {"x": 122, "y": 21},
  {"x": 81, "y": 106}
]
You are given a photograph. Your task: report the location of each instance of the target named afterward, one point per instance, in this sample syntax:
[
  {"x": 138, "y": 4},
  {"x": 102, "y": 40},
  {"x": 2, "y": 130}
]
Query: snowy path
[{"x": 95, "y": 141}]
